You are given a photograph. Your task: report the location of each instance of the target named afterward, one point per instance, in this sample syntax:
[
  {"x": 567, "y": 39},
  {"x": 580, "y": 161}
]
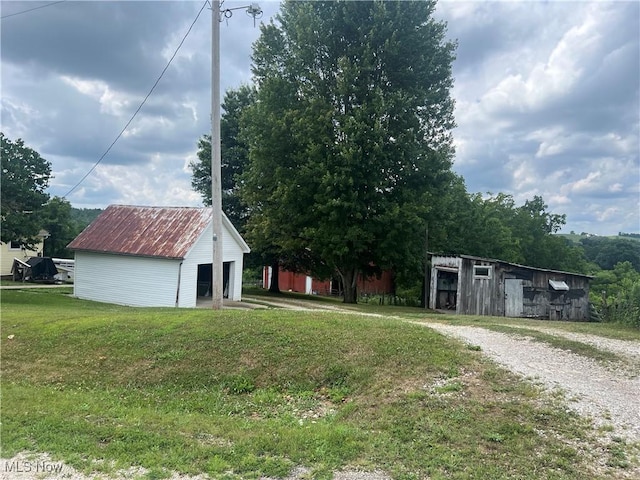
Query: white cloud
[
  {"x": 111, "y": 102},
  {"x": 607, "y": 214},
  {"x": 547, "y": 103},
  {"x": 586, "y": 184},
  {"x": 547, "y": 99}
]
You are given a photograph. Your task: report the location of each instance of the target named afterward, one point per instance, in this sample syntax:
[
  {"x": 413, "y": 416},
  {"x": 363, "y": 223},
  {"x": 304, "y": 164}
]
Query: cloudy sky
[{"x": 547, "y": 99}]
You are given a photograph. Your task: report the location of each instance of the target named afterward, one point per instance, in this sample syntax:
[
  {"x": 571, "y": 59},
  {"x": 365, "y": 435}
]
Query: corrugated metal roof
[
  {"x": 167, "y": 232},
  {"x": 493, "y": 260}
]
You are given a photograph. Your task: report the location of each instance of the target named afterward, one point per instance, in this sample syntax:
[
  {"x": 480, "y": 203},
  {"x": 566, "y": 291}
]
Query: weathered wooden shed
[
  {"x": 480, "y": 286},
  {"x": 154, "y": 256}
]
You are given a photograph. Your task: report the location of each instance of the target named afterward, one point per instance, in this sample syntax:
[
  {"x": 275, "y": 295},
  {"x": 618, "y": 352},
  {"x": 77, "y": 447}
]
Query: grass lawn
[{"x": 241, "y": 394}]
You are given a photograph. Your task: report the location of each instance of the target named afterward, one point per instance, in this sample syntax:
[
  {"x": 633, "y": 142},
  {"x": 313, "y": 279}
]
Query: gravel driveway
[{"x": 608, "y": 394}]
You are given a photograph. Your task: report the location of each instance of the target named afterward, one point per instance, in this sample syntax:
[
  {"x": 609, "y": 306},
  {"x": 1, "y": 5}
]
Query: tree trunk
[
  {"x": 274, "y": 286},
  {"x": 350, "y": 284}
]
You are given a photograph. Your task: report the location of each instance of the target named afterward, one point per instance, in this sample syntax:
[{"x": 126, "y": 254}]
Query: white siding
[
  {"x": 201, "y": 253},
  {"x": 144, "y": 281},
  {"x": 126, "y": 280},
  {"x": 232, "y": 252}
]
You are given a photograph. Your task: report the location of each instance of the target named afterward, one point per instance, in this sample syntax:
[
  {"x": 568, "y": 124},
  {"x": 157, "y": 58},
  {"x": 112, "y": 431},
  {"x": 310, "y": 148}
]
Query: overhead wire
[
  {"x": 31, "y": 9},
  {"x": 141, "y": 104}
]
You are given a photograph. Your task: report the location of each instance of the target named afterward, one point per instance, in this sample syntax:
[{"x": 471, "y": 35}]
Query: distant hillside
[
  {"x": 82, "y": 217},
  {"x": 576, "y": 237},
  {"x": 607, "y": 251},
  {"x": 633, "y": 236}
]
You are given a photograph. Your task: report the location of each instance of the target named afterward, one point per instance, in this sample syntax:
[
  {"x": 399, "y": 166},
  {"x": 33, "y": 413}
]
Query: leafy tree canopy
[
  {"x": 493, "y": 226},
  {"x": 25, "y": 177},
  {"x": 607, "y": 252},
  {"x": 350, "y": 136},
  {"x": 84, "y": 216},
  {"x": 234, "y": 156},
  {"x": 57, "y": 220}
]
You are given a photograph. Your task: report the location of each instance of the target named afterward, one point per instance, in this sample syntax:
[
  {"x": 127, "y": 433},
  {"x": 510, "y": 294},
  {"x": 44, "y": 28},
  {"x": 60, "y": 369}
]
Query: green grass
[{"x": 242, "y": 394}]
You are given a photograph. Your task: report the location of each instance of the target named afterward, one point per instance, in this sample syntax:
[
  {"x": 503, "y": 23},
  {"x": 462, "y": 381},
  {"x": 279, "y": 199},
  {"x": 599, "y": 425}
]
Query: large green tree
[
  {"x": 350, "y": 137},
  {"x": 234, "y": 156},
  {"x": 494, "y": 226},
  {"x": 25, "y": 178},
  {"x": 56, "y": 219}
]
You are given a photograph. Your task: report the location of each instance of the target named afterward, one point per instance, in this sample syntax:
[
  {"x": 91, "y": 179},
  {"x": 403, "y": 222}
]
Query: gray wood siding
[
  {"x": 479, "y": 294},
  {"x": 530, "y": 293},
  {"x": 539, "y": 300}
]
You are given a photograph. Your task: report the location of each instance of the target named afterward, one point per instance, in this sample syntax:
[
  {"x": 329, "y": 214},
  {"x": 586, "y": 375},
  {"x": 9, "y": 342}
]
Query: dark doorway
[
  {"x": 204, "y": 279},
  {"x": 226, "y": 268},
  {"x": 447, "y": 290}
]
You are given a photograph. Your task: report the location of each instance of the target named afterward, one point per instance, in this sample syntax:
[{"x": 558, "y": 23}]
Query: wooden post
[{"x": 427, "y": 270}]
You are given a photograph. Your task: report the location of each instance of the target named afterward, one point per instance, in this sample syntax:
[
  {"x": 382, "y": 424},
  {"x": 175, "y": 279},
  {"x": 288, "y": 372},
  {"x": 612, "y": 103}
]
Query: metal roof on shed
[
  {"x": 167, "y": 232},
  {"x": 493, "y": 260}
]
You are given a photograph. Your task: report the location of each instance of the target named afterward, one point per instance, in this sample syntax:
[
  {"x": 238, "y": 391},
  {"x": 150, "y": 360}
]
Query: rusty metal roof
[{"x": 167, "y": 232}]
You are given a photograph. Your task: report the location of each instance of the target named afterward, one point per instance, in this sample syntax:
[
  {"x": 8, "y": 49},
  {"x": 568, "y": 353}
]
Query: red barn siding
[{"x": 296, "y": 282}]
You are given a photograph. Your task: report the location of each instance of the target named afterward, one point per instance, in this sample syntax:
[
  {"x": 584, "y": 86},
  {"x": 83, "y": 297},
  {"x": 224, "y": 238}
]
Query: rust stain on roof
[{"x": 167, "y": 232}]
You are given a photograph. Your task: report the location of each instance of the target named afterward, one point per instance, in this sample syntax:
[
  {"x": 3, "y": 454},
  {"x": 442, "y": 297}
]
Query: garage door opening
[{"x": 205, "y": 278}]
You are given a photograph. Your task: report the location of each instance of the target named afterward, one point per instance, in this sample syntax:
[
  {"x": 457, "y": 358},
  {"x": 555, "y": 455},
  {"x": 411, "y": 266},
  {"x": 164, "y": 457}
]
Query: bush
[
  {"x": 625, "y": 307},
  {"x": 615, "y": 295}
]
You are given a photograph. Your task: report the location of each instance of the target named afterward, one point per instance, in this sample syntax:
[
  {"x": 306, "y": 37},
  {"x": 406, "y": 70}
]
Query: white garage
[{"x": 154, "y": 257}]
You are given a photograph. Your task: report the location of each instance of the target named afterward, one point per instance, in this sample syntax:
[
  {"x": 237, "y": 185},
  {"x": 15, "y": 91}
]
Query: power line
[
  {"x": 31, "y": 9},
  {"x": 141, "y": 105}
]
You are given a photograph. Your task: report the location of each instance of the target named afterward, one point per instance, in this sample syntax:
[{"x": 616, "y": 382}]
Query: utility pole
[
  {"x": 217, "y": 14},
  {"x": 216, "y": 169}
]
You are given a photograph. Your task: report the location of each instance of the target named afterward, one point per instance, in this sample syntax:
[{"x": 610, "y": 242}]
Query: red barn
[{"x": 299, "y": 282}]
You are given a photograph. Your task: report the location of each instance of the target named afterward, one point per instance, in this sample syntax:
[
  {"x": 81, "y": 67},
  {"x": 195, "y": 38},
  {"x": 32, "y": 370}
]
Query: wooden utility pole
[
  {"x": 217, "y": 13},
  {"x": 216, "y": 170},
  {"x": 427, "y": 269}
]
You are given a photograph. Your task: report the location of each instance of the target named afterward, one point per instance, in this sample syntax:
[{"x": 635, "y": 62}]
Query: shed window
[
  {"x": 482, "y": 271},
  {"x": 558, "y": 286},
  {"x": 15, "y": 245}
]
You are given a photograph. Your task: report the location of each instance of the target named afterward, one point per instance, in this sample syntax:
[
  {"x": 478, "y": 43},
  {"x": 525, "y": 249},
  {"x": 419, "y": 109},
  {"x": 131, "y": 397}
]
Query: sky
[{"x": 547, "y": 99}]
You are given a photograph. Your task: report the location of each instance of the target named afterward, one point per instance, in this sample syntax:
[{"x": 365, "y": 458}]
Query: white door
[{"x": 513, "y": 297}]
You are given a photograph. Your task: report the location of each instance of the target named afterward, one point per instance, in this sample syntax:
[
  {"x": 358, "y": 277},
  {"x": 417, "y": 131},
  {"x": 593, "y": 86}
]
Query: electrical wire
[
  {"x": 31, "y": 9},
  {"x": 141, "y": 105}
]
